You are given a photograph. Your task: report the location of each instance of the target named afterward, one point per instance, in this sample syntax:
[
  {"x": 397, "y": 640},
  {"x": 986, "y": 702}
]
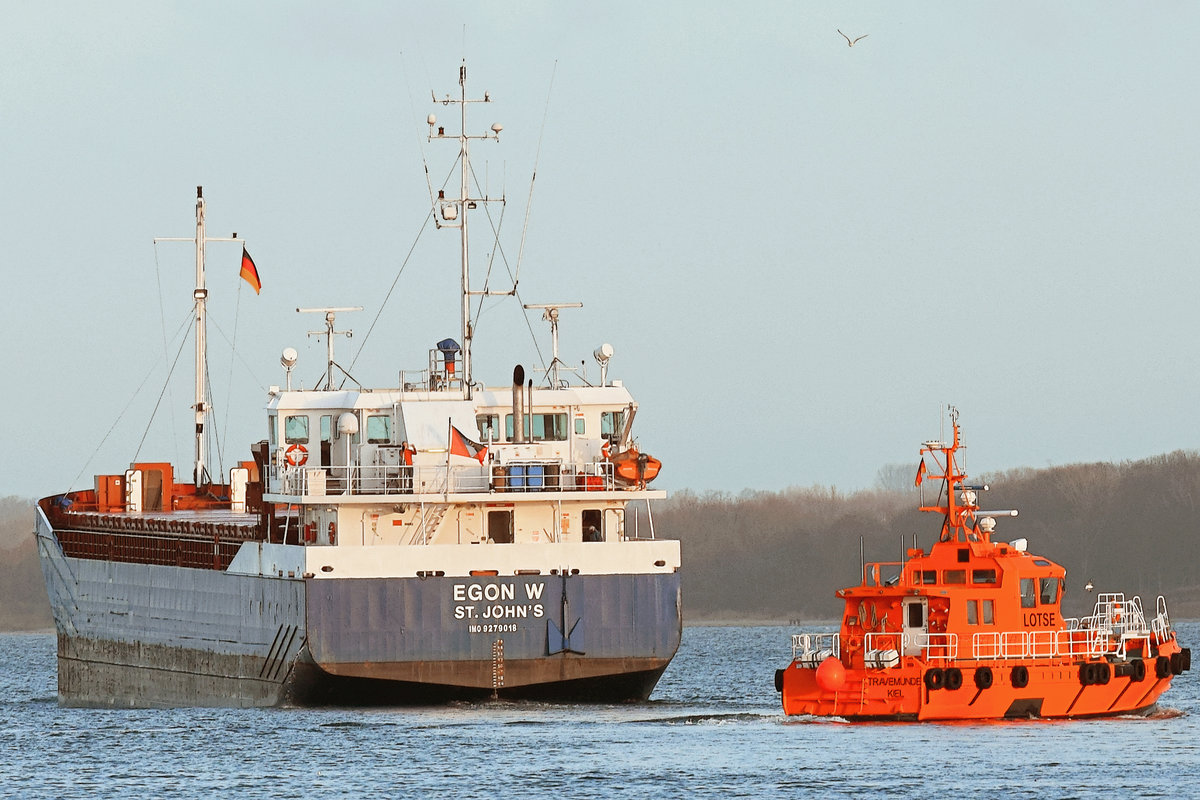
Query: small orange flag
[
  {"x": 250, "y": 272},
  {"x": 920, "y": 473}
]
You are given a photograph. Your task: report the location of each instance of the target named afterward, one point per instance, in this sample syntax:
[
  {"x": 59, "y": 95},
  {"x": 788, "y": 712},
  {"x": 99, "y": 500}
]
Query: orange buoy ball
[{"x": 831, "y": 675}]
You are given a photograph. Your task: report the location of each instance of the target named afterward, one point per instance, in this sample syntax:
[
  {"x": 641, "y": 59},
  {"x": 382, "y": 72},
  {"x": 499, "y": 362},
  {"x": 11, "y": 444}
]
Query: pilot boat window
[
  {"x": 1049, "y": 591},
  {"x": 489, "y": 427},
  {"x": 983, "y": 576},
  {"x": 916, "y": 615},
  {"x": 295, "y": 430},
  {"x": 1028, "y": 593},
  {"x": 927, "y": 576},
  {"x": 988, "y": 612},
  {"x": 972, "y": 612},
  {"x": 379, "y": 429},
  {"x": 954, "y": 576}
]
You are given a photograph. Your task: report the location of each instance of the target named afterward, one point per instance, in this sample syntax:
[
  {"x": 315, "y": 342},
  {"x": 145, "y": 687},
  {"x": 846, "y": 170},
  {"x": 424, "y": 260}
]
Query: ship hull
[
  {"x": 143, "y": 635},
  {"x": 1046, "y": 691}
]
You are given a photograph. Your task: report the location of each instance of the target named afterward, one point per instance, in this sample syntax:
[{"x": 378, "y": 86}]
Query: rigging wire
[
  {"x": 237, "y": 309},
  {"x": 162, "y": 315},
  {"x": 157, "y": 403},
  {"x": 121, "y": 415}
]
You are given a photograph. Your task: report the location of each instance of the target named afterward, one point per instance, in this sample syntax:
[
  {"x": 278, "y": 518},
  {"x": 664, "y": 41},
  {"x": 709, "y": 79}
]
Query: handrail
[{"x": 530, "y": 475}]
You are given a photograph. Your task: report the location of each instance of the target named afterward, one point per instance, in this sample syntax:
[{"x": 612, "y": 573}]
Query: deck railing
[
  {"x": 535, "y": 475},
  {"x": 1117, "y": 628}
]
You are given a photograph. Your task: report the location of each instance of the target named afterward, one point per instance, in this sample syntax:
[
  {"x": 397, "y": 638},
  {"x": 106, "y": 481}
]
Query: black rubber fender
[
  {"x": 935, "y": 679},
  {"x": 1137, "y": 670},
  {"x": 1103, "y": 673},
  {"x": 1020, "y": 676},
  {"x": 954, "y": 678},
  {"x": 779, "y": 680},
  {"x": 1162, "y": 667},
  {"x": 1086, "y": 676},
  {"x": 1177, "y": 663},
  {"x": 983, "y": 678}
]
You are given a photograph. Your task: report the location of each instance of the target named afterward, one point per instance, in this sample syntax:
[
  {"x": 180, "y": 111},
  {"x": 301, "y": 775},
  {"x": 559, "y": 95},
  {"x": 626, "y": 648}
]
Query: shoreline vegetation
[{"x": 776, "y": 558}]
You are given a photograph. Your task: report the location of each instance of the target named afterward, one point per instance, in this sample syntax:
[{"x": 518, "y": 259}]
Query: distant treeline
[
  {"x": 779, "y": 556},
  {"x": 1130, "y": 527},
  {"x": 23, "y": 602}
]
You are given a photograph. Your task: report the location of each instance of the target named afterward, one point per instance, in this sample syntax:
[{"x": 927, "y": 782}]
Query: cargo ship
[
  {"x": 973, "y": 629},
  {"x": 434, "y": 540}
]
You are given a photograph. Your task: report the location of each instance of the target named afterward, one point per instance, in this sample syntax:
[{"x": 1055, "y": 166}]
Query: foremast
[{"x": 201, "y": 405}]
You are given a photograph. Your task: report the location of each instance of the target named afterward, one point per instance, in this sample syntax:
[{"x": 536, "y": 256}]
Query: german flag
[{"x": 250, "y": 272}]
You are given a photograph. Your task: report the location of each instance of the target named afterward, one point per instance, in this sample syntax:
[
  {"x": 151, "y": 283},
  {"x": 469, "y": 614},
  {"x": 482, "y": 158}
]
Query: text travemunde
[{"x": 499, "y": 601}]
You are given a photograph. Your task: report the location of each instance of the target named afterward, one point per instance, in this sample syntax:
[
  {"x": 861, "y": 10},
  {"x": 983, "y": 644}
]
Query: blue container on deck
[
  {"x": 516, "y": 477},
  {"x": 534, "y": 479}
]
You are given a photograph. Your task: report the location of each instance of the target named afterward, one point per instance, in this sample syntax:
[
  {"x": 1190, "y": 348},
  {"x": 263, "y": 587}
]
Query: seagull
[{"x": 850, "y": 43}]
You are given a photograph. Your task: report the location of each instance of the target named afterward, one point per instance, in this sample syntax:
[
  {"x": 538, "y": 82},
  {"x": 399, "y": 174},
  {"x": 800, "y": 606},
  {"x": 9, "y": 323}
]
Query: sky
[{"x": 801, "y": 252}]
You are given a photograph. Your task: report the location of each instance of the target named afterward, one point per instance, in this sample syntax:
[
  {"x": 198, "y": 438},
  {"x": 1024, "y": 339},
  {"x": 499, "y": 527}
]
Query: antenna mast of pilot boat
[{"x": 457, "y": 209}]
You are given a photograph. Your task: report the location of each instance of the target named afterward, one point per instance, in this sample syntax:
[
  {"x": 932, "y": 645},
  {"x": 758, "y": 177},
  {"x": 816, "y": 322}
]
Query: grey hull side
[{"x": 138, "y": 635}]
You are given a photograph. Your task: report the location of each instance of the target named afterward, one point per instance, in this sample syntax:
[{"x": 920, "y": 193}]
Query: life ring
[
  {"x": 954, "y": 679},
  {"x": 935, "y": 679},
  {"x": 983, "y": 678},
  {"x": 606, "y": 450},
  {"x": 1162, "y": 667},
  {"x": 296, "y": 455},
  {"x": 1137, "y": 670},
  {"x": 1020, "y": 676}
]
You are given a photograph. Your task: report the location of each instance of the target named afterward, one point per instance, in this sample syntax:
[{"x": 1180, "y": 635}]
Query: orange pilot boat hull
[
  {"x": 973, "y": 629},
  {"x": 993, "y": 690}
]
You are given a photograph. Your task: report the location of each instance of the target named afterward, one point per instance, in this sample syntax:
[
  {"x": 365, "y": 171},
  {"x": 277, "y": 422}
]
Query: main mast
[
  {"x": 454, "y": 212},
  {"x": 200, "y": 295}
]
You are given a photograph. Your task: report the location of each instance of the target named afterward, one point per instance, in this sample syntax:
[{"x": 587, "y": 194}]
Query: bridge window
[
  {"x": 611, "y": 423},
  {"x": 1049, "y": 591},
  {"x": 489, "y": 427},
  {"x": 988, "y": 612},
  {"x": 543, "y": 427},
  {"x": 1028, "y": 593},
  {"x": 379, "y": 429},
  {"x": 954, "y": 576},
  {"x": 580, "y": 428},
  {"x": 295, "y": 430},
  {"x": 926, "y": 576},
  {"x": 326, "y": 427},
  {"x": 972, "y": 612},
  {"x": 983, "y": 576}
]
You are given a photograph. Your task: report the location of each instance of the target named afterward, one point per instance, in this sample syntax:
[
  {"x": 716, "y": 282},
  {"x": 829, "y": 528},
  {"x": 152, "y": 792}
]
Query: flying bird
[{"x": 851, "y": 43}]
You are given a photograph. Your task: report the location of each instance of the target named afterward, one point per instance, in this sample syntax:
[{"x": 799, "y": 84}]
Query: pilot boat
[
  {"x": 432, "y": 540},
  {"x": 972, "y": 629}
]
